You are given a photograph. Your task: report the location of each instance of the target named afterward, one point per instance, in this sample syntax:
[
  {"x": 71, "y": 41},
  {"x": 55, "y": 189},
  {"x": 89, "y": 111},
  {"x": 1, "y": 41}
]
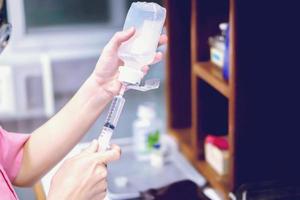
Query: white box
[{"x": 217, "y": 158}]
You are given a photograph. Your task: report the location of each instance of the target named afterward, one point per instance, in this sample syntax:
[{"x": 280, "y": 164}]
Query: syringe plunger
[{"x": 111, "y": 121}]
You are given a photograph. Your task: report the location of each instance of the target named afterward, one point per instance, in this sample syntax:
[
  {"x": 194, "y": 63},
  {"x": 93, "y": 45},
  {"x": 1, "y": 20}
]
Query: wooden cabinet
[{"x": 256, "y": 108}]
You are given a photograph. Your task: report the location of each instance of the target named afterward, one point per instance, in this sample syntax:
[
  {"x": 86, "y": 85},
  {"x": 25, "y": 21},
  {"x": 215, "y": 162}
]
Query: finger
[
  {"x": 158, "y": 57},
  {"x": 99, "y": 196},
  {"x": 121, "y": 37},
  {"x": 101, "y": 185},
  {"x": 99, "y": 177},
  {"x": 145, "y": 69},
  {"x": 110, "y": 155},
  {"x": 92, "y": 148},
  {"x": 163, "y": 39},
  {"x": 101, "y": 172},
  {"x": 103, "y": 196},
  {"x": 117, "y": 148},
  {"x": 99, "y": 190}
]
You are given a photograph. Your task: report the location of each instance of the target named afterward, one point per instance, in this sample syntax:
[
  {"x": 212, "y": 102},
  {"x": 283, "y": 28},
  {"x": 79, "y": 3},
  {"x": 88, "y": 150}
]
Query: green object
[{"x": 153, "y": 138}]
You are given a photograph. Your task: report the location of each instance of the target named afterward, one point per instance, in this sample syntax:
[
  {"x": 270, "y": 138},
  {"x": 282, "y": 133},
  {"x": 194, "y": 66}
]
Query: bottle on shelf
[{"x": 217, "y": 46}]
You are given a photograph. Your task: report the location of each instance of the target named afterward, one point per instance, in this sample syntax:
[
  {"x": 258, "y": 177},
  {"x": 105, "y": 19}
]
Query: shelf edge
[{"x": 201, "y": 71}]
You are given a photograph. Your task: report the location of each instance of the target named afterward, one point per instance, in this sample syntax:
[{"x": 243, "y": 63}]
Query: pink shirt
[{"x": 11, "y": 152}]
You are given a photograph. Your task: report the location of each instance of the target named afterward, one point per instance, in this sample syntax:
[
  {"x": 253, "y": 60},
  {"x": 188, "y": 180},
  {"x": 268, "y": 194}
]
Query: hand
[
  {"x": 106, "y": 71},
  {"x": 83, "y": 177}
]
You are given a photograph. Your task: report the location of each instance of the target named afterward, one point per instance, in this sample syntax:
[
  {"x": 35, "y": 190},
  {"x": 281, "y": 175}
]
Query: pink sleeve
[{"x": 11, "y": 152}]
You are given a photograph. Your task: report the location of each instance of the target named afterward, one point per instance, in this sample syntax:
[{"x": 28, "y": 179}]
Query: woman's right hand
[{"x": 83, "y": 177}]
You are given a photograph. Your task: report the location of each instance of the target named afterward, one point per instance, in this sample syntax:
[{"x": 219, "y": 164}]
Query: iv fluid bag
[{"x": 148, "y": 20}]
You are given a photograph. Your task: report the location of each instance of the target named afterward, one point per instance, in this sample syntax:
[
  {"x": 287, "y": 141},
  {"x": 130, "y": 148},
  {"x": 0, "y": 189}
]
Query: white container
[
  {"x": 148, "y": 20},
  {"x": 217, "y": 158},
  {"x": 157, "y": 156},
  {"x": 144, "y": 126}
]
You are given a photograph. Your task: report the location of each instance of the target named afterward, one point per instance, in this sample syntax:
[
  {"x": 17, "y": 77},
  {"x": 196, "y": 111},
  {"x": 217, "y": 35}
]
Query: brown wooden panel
[
  {"x": 220, "y": 183},
  {"x": 232, "y": 134},
  {"x": 178, "y": 64}
]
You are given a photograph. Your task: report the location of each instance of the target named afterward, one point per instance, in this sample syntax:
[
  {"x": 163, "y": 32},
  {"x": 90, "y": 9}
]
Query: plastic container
[
  {"x": 217, "y": 153},
  {"x": 217, "y": 46},
  {"x": 157, "y": 156},
  {"x": 148, "y": 20},
  {"x": 146, "y": 131}
]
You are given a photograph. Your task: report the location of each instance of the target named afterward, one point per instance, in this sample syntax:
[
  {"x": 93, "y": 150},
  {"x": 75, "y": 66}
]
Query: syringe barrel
[
  {"x": 111, "y": 121},
  {"x": 115, "y": 110},
  {"x": 104, "y": 138}
]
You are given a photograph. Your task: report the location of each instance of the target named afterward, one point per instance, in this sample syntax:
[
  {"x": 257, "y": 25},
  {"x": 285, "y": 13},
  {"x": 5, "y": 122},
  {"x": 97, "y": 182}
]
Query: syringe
[
  {"x": 111, "y": 121},
  {"x": 115, "y": 111}
]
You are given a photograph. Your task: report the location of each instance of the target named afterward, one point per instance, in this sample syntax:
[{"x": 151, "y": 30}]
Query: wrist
[
  {"x": 98, "y": 87},
  {"x": 100, "y": 81},
  {"x": 109, "y": 87}
]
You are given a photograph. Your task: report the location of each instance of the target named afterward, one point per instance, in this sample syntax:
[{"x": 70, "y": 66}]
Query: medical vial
[
  {"x": 146, "y": 131},
  {"x": 157, "y": 156},
  {"x": 138, "y": 51}
]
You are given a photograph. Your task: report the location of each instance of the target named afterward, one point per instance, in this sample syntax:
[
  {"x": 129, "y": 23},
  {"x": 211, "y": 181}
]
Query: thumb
[
  {"x": 92, "y": 148},
  {"x": 108, "y": 156},
  {"x": 121, "y": 37}
]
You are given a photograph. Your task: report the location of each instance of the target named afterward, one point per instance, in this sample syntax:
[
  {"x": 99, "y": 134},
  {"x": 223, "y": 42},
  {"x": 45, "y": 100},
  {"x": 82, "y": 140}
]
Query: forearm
[{"x": 53, "y": 140}]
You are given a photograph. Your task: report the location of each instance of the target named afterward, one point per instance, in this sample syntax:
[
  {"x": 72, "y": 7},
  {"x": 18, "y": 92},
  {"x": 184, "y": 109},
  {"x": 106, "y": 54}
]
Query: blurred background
[{"x": 54, "y": 47}]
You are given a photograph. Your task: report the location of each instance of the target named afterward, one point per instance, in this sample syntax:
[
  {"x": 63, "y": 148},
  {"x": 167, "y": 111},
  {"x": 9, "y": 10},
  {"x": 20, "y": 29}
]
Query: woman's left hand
[{"x": 106, "y": 70}]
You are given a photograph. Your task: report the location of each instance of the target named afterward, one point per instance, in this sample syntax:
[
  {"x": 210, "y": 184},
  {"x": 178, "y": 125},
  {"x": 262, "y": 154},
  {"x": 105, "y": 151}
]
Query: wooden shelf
[
  {"x": 221, "y": 183},
  {"x": 243, "y": 107},
  {"x": 183, "y": 136},
  {"x": 212, "y": 75}
]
